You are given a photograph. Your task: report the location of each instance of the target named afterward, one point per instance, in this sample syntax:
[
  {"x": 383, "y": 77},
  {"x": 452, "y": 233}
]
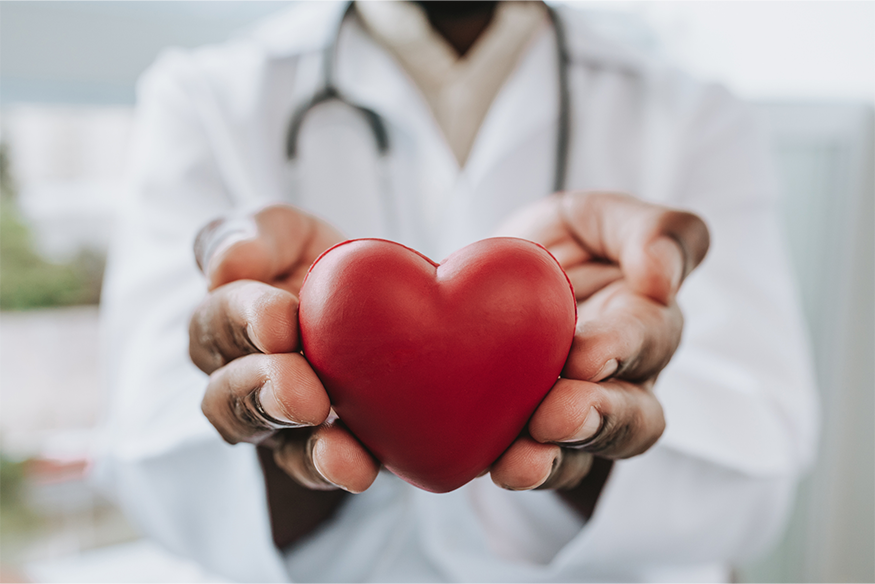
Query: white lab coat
[{"x": 210, "y": 140}]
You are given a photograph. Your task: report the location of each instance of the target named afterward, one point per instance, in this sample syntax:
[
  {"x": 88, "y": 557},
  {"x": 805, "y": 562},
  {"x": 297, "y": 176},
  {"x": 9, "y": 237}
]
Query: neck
[{"x": 460, "y": 22}]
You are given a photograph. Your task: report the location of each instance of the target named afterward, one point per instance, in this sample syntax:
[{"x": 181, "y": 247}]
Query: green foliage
[
  {"x": 11, "y": 477},
  {"x": 17, "y": 520},
  {"x": 26, "y": 279}
]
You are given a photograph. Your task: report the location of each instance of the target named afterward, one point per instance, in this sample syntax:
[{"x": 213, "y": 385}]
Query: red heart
[{"x": 437, "y": 368}]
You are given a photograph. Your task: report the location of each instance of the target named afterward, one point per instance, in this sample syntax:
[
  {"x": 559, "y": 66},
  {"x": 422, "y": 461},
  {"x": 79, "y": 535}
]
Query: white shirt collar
[{"x": 459, "y": 90}]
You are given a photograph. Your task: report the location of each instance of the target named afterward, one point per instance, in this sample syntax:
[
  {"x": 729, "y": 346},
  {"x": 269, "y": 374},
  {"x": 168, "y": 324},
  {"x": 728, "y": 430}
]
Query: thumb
[
  {"x": 656, "y": 247},
  {"x": 655, "y": 268},
  {"x": 275, "y": 246}
]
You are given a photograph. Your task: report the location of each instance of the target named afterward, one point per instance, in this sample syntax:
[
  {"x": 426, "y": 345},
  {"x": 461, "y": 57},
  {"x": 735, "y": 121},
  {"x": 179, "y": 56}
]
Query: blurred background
[{"x": 67, "y": 88}]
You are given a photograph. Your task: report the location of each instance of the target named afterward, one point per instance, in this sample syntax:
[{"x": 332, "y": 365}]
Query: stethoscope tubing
[{"x": 377, "y": 124}]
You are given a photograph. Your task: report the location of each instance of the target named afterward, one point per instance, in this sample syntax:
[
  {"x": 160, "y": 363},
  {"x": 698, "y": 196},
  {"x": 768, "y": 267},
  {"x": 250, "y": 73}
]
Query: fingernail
[
  {"x": 670, "y": 255},
  {"x": 606, "y": 371},
  {"x": 272, "y": 410},
  {"x": 590, "y": 427},
  {"x": 315, "y": 450},
  {"x": 543, "y": 479},
  {"x": 532, "y": 487},
  {"x": 253, "y": 338}
]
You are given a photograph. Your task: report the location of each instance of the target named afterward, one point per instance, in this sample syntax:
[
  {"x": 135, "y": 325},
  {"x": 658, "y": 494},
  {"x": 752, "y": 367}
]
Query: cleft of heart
[{"x": 437, "y": 367}]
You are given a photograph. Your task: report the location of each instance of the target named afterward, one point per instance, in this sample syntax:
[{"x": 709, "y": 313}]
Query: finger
[
  {"x": 241, "y": 318},
  {"x": 276, "y": 246},
  {"x": 255, "y": 395},
  {"x": 656, "y": 247},
  {"x": 572, "y": 467},
  {"x": 525, "y": 465},
  {"x": 542, "y": 222},
  {"x": 218, "y": 235},
  {"x": 614, "y": 419},
  {"x": 589, "y": 278},
  {"x": 528, "y": 465},
  {"x": 327, "y": 457},
  {"x": 537, "y": 222},
  {"x": 623, "y": 334}
]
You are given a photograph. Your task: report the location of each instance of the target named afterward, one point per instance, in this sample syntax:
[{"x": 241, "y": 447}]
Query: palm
[
  {"x": 282, "y": 245},
  {"x": 626, "y": 260},
  {"x": 544, "y": 223}
]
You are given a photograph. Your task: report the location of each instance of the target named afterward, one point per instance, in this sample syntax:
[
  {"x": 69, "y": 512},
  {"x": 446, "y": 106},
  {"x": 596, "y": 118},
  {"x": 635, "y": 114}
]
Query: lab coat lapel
[
  {"x": 367, "y": 75},
  {"x": 440, "y": 206},
  {"x": 443, "y": 199},
  {"x": 527, "y": 103},
  {"x": 423, "y": 169},
  {"x": 512, "y": 158}
]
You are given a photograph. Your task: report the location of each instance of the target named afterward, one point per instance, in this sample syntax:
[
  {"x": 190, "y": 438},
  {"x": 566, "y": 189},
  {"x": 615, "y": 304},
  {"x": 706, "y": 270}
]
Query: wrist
[{"x": 584, "y": 497}]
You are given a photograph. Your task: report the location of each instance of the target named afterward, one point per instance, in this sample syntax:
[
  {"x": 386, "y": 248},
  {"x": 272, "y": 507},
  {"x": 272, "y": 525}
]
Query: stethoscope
[{"x": 329, "y": 92}]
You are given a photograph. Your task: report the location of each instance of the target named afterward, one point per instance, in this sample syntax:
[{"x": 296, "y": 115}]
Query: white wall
[
  {"x": 774, "y": 50},
  {"x": 825, "y": 157},
  {"x": 93, "y": 52}
]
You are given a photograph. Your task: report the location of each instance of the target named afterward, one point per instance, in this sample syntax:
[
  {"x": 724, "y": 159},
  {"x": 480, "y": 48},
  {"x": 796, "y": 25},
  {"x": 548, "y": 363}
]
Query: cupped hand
[
  {"x": 245, "y": 336},
  {"x": 626, "y": 260}
]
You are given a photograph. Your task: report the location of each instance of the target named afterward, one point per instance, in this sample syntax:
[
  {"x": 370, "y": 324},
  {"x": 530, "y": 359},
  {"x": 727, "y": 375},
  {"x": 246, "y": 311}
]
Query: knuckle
[
  {"x": 294, "y": 456},
  {"x": 649, "y": 341},
  {"x": 209, "y": 411},
  {"x": 234, "y": 339},
  {"x": 615, "y": 434},
  {"x": 204, "y": 345},
  {"x": 573, "y": 468},
  {"x": 589, "y": 203},
  {"x": 631, "y": 434},
  {"x": 230, "y": 404},
  {"x": 244, "y": 411},
  {"x": 630, "y": 369},
  {"x": 592, "y": 200},
  {"x": 639, "y": 363},
  {"x": 217, "y": 335}
]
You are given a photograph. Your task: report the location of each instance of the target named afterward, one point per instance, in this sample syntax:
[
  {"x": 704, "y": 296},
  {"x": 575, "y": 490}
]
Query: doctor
[{"x": 213, "y": 140}]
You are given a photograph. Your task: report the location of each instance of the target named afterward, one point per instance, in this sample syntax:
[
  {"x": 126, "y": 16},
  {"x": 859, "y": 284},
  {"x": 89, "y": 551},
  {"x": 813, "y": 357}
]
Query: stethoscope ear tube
[{"x": 564, "y": 127}]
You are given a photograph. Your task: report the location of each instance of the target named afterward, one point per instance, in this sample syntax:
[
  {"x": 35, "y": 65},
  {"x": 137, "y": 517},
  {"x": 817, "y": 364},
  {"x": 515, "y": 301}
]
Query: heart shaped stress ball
[{"x": 437, "y": 368}]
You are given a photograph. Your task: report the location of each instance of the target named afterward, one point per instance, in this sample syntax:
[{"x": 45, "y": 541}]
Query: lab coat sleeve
[
  {"x": 738, "y": 396},
  {"x": 159, "y": 457}
]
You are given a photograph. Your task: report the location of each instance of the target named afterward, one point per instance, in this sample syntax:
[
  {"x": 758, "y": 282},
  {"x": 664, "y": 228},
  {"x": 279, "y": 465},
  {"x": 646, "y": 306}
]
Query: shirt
[{"x": 459, "y": 90}]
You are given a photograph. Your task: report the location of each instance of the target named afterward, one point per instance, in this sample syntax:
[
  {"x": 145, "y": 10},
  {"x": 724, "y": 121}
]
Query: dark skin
[
  {"x": 460, "y": 23},
  {"x": 625, "y": 258}
]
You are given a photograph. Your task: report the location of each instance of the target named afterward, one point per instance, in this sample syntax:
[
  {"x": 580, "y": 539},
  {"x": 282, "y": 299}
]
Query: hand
[
  {"x": 626, "y": 260},
  {"x": 245, "y": 335}
]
